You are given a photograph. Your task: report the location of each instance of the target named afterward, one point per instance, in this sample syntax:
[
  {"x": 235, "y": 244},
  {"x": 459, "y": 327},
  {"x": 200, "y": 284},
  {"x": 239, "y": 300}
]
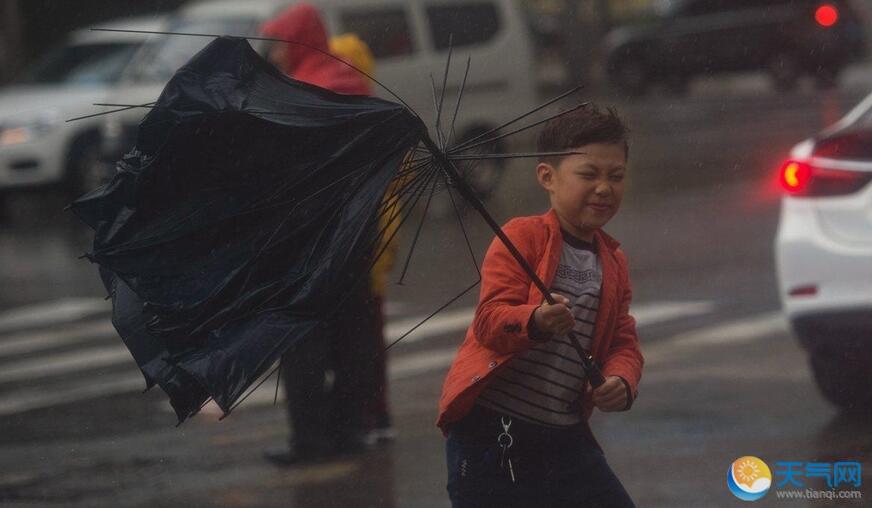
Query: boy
[{"x": 515, "y": 438}]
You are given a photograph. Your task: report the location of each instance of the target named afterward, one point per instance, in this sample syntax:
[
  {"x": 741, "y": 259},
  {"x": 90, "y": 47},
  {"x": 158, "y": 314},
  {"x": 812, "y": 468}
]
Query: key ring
[{"x": 505, "y": 439}]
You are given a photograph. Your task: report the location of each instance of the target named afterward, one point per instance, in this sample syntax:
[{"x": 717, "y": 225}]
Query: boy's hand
[
  {"x": 555, "y": 319},
  {"x": 611, "y": 395}
]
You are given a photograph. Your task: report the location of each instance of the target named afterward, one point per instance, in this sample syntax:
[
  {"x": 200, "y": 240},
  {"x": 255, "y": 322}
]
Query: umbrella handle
[{"x": 591, "y": 369}]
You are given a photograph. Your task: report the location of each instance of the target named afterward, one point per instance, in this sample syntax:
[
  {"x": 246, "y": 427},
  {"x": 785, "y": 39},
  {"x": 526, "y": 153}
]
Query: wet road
[{"x": 724, "y": 378}]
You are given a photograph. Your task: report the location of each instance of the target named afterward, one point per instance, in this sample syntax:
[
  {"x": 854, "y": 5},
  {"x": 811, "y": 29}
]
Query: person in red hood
[
  {"x": 328, "y": 418},
  {"x": 313, "y": 64}
]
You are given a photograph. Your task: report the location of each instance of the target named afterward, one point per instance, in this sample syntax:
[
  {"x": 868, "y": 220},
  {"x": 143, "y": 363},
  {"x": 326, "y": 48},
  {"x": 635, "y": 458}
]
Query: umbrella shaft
[{"x": 593, "y": 372}]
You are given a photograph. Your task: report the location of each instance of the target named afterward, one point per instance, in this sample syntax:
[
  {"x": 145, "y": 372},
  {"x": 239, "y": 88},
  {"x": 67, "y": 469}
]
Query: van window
[
  {"x": 385, "y": 30},
  {"x": 470, "y": 23}
]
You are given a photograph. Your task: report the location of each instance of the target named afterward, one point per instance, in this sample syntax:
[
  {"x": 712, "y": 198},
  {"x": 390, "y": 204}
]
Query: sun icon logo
[
  {"x": 747, "y": 471},
  {"x": 749, "y": 478}
]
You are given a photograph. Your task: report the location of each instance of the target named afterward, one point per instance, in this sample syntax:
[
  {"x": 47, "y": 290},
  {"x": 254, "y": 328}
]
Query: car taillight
[
  {"x": 803, "y": 179},
  {"x": 803, "y": 291},
  {"x": 826, "y": 15}
]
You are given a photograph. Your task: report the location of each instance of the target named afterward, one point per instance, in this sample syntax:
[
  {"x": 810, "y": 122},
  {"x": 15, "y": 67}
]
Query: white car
[
  {"x": 37, "y": 145},
  {"x": 408, "y": 38},
  {"x": 824, "y": 255}
]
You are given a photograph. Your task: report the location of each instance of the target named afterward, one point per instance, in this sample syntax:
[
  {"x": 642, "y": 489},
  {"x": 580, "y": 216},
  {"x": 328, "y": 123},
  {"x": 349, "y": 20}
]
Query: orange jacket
[{"x": 508, "y": 298}]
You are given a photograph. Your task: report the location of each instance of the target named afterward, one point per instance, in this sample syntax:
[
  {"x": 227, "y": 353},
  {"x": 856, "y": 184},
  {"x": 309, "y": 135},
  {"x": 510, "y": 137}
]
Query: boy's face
[{"x": 586, "y": 190}]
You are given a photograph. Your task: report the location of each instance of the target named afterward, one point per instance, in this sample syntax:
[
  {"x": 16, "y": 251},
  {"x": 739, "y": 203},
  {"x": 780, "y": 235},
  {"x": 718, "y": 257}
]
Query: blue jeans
[{"x": 552, "y": 467}]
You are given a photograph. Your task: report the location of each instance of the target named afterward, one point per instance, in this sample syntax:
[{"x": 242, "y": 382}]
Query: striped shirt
[{"x": 538, "y": 384}]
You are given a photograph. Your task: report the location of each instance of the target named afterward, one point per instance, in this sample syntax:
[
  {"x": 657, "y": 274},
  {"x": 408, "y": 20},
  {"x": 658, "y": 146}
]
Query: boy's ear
[{"x": 545, "y": 174}]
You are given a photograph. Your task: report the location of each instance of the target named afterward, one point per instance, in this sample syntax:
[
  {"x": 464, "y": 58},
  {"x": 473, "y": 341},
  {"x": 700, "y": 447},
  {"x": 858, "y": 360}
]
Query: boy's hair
[{"x": 584, "y": 126}]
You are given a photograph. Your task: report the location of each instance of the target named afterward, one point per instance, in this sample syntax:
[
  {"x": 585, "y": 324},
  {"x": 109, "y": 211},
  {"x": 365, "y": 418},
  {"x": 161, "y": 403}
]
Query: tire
[
  {"x": 85, "y": 170},
  {"x": 844, "y": 380},
  {"x": 631, "y": 76},
  {"x": 785, "y": 71}
]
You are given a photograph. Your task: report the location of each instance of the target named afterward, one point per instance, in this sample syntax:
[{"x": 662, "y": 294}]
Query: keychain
[{"x": 505, "y": 440}]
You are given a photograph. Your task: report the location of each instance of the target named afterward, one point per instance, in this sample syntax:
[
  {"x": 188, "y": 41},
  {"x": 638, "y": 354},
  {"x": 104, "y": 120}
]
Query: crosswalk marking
[
  {"x": 83, "y": 359},
  {"x": 31, "y": 342},
  {"x": 87, "y": 389},
  {"x": 52, "y": 312},
  {"x": 444, "y": 322},
  {"x": 739, "y": 331},
  {"x": 92, "y": 357},
  {"x": 743, "y": 330},
  {"x": 660, "y": 312},
  {"x": 457, "y": 320}
]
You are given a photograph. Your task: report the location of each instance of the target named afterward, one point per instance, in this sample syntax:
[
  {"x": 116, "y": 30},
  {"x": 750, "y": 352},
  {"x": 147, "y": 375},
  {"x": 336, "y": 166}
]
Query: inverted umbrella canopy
[{"x": 234, "y": 228}]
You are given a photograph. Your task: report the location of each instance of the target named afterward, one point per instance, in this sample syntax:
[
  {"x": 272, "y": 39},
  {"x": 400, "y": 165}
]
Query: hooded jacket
[
  {"x": 310, "y": 61},
  {"x": 508, "y": 298}
]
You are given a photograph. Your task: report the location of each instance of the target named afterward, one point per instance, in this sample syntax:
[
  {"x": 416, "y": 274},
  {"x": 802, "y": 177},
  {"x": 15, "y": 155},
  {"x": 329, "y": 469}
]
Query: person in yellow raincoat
[{"x": 353, "y": 50}]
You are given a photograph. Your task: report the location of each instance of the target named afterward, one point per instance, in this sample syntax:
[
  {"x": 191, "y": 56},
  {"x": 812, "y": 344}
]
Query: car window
[
  {"x": 469, "y": 23},
  {"x": 160, "y": 59},
  {"x": 82, "y": 64},
  {"x": 385, "y": 30}
]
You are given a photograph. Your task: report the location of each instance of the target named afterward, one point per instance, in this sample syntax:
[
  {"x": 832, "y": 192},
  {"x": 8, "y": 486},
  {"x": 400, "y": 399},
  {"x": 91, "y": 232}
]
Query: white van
[
  {"x": 409, "y": 40},
  {"x": 37, "y": 147}
]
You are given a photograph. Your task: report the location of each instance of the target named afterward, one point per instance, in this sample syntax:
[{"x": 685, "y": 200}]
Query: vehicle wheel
[
  {"x": 785, "y": 71},
  {"x": 85, "y": 170},
  {"x": 484, "y": 176},
  {"x": 631, "y": 76},
  {"x": 843, "y": 380}
]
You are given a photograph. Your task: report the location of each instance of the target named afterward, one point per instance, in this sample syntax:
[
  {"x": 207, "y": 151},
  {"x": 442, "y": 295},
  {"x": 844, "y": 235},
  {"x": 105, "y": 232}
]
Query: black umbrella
[{"x": 250, "y": 205}]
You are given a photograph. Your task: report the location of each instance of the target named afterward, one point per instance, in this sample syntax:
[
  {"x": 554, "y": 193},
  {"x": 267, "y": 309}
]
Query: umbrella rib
[
  {"x": 287, "y": 217},
  {"x": 520, "y": 129},
  {"x": 452, "y": 135},
  {"x": 401, "y": 191},
  {"x": 516, "y": 119},
  {"x": 417, "y": 235},
  {"x": 278, "y": 381},
  {"x": 269, "y": 39},
  {"x": 247, "y": 395},
  {"x": 153, "y": 105},
  {"x": 412, "y": 197},
  {"x": 520, "y": 155},
  {"x": 436, "y": 106},
  {"x": 463, "y": 229},
  {"x": 440, "y": 309},
  {"x": 377, "y": 240},
  {"x": 444, "y": 85},
  {"x": 124, "y": 108},
  {"x": 422, "y": 160}
]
